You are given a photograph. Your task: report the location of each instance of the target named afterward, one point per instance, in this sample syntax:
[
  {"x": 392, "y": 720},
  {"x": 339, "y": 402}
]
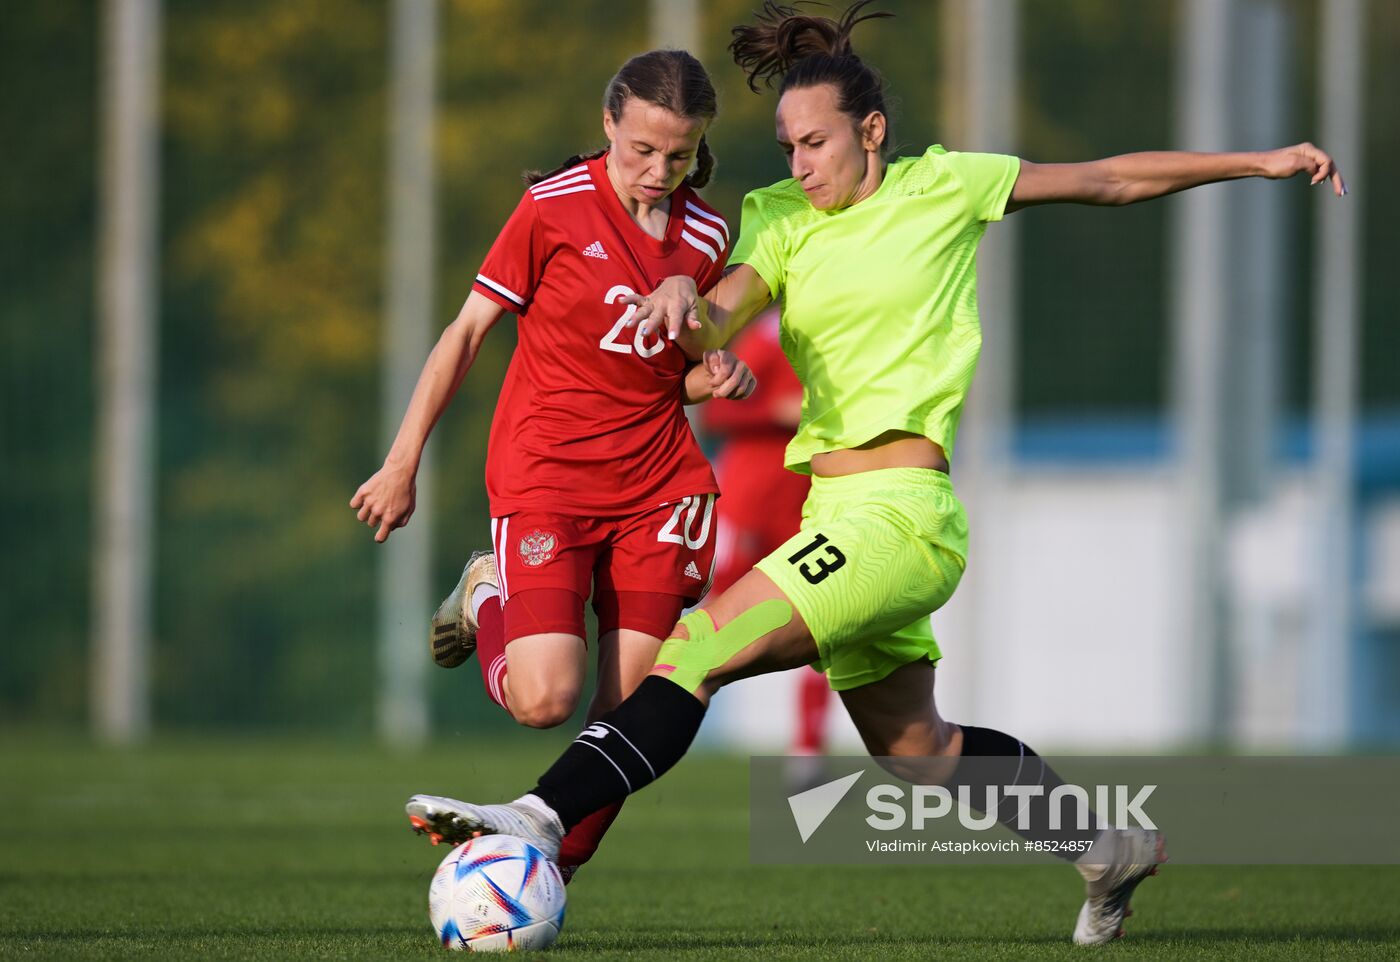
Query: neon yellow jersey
[{"x": 879, "y": 299}]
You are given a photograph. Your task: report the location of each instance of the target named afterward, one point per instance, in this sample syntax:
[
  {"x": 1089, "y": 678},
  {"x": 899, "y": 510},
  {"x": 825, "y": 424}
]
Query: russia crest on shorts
[{"x": 537, "y": 547}]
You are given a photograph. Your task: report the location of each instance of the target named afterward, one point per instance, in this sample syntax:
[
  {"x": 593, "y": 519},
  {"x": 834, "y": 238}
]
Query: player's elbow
[
  {"x": 1109, "y": 189},
  {"x": 1100, "y": 183}
]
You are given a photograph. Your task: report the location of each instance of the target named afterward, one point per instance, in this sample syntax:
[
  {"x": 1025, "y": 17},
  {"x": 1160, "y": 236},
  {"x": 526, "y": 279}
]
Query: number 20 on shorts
[{"x": 678, "y": 531}]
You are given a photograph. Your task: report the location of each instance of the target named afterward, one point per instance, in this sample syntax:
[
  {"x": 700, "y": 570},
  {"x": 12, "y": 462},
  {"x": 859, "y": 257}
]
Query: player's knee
[{"x": 544, "y": 709}]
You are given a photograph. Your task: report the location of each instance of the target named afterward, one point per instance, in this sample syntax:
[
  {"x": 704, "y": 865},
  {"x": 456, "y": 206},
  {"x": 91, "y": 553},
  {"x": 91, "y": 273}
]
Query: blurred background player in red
[
  {"x": 598, "y": 488},
  {"x": 762, "y": 503}
]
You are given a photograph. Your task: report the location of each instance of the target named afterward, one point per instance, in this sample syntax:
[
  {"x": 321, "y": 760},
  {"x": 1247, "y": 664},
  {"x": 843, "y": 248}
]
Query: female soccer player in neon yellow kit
[{"x": 876, "y": 263}]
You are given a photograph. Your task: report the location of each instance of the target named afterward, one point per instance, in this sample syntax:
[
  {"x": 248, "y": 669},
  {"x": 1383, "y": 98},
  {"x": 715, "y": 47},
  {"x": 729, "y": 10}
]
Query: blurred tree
[
  {"x": 1093, "y": 320},
  {"x": 273, "y": 222},
  {"x": 276, "y": 126},
  {"x": 1380, "y": 193},
  {"x": 47, "y": 205}
]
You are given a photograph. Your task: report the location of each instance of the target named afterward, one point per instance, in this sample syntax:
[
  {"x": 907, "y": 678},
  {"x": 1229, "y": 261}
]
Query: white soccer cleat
[
  {"x": 454, "y": 822},
  {"x": 1130, "y": 855},
  {"x": 453, "y": 632}
]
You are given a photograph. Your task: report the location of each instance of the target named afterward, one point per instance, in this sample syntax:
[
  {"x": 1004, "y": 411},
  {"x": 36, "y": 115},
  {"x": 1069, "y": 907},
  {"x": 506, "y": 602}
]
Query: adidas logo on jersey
[
  {"x": 595, "y": 249},
  {"x": 693, "y": 572}
]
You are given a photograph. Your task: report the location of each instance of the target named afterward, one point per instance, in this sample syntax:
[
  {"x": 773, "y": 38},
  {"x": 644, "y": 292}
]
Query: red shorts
[{"x": 668, "y": 550}]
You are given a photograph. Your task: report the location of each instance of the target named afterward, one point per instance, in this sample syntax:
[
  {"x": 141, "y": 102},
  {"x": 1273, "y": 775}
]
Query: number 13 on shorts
[{"x": 814, "y": 565}]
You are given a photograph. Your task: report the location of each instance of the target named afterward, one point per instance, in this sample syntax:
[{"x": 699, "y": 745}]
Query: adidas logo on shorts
[
  {"x": 693, "y": 572},
  {"x": 595, "y": 249}
]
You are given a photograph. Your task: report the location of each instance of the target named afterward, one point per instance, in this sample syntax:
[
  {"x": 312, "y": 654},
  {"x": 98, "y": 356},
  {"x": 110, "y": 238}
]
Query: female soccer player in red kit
[{"x": 597, "y": 485}]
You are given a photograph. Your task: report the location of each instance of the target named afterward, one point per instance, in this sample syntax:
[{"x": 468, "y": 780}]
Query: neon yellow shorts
[{"x": 878, "y": 552}]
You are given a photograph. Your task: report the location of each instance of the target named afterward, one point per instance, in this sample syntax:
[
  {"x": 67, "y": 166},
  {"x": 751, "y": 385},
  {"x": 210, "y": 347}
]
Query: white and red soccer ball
[{"x": 496, "y": 894}]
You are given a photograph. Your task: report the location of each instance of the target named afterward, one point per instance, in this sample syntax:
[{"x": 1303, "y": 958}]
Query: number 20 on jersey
[{"x": 612, "y": 341}]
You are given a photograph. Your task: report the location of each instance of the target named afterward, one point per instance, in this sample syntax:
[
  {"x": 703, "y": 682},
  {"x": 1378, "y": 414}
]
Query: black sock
[
  {"x": 624, "y": 751},
  {"x": 995, "y": 758}
]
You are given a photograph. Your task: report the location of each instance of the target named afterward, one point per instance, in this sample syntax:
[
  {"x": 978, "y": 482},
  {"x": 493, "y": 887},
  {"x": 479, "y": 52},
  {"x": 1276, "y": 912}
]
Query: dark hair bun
[{"x": 781, "y": 37}]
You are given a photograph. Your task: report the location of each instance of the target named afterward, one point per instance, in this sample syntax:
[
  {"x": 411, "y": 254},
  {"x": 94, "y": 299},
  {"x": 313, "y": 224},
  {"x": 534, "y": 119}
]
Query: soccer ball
[{"x": 496, "y": 893}]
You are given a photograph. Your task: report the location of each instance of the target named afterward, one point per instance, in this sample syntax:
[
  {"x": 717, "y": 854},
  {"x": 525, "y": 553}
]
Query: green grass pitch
[{"x": 275, "y": 850}]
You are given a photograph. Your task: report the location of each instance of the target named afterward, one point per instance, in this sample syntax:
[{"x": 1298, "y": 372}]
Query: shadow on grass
[
  {"x": 215, "y": 931},
  {"x": 671, "y": 943},
  {"x": 1378, "y": 933},
  {"x": 680, "y": 942},
  {"x": 582, "y": 944}
]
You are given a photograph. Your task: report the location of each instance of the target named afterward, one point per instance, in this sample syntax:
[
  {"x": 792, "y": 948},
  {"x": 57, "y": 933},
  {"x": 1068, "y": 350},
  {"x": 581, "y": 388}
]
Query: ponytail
[{"x": 704, "y": 166}]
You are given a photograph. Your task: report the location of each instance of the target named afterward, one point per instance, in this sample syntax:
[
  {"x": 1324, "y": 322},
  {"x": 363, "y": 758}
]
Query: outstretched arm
[
  {"x": 1130, "y": 178},
  {"x": 387, "y": 499},
  {"x": 696, "y": 323}
]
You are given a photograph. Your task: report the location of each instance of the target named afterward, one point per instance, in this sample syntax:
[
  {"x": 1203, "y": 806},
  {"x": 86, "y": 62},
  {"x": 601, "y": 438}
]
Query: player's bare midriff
[{"x": 893, "y": 449}]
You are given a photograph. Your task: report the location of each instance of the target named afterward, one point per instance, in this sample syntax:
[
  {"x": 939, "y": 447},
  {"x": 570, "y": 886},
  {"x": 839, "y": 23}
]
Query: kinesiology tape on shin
[
  {"x": 691, "y": 659},
  {"x": 624, "y": 751}
]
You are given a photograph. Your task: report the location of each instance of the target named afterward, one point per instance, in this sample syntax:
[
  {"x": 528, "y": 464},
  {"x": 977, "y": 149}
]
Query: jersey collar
[{"x": 623, "y": 221}]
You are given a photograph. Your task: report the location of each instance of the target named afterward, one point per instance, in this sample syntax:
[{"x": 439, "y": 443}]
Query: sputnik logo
[{"x": 811, "y": 808}]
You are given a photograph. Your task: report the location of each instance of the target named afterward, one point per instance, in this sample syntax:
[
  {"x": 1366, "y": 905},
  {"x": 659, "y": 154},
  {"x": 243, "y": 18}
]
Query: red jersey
[{"x": 590, "y": 417}]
